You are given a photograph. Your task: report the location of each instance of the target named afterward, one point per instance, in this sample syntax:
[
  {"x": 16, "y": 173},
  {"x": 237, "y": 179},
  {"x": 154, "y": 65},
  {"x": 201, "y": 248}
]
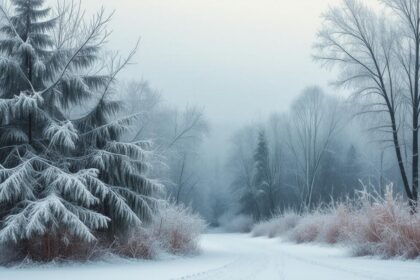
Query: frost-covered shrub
[
  {"x": 369, "y": 225},
  {"x": 138, "y": 244},
  {"x": 384, "y": 227},
  {"x": 262, "y": 228},
  {"x": 277, "y": 226},
  {"x": 324, "y": 225},
  {"x": 236, "y": 223},
  {"x": 49, "y": 247},
  {"x": 174, "y": 229},
  {"x": 308, "y": 228},
  {"x": 9, "y": 254},
  {"x": 287, "y": 222},
  {"x": 335, "y": 221},
  {"x": 177, "y": 228}
]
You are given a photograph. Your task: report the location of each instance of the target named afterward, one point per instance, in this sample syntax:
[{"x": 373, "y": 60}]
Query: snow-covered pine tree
[
  {"x": 60, "y": 176},
  {"x": 262, "y": 177}
]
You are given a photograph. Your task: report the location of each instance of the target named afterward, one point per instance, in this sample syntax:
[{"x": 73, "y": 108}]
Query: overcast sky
[{"x": 241, "y": 59}]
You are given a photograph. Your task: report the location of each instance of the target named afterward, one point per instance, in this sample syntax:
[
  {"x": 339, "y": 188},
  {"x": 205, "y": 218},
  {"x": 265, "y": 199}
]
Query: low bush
[
  {"x": 308, "y": 229},
  {"x": 369, "y": 225},
  {"x": 386, "y": 228},
  {"x": 177, "y": 229},
  {"x": 173, "y": 229},
  {"x": 238, "y": 223},
  {"x": 138, "y": 244},
  {"x": 334, "y": 224},
  {"x": 47, "y": 248},
  {"x": 277, "y": 226}
]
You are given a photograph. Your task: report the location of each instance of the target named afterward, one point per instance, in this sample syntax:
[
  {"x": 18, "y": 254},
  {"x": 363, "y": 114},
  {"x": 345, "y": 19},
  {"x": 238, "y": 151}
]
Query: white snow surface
[{"x": 230, "y": 257}]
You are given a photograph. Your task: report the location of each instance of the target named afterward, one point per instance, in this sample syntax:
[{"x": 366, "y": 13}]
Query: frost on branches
[{"x": 63, "y": 177}]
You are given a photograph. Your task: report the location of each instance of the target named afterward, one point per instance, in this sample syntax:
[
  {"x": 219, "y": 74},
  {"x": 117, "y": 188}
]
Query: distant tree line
[{"x": 316, "y": 153}]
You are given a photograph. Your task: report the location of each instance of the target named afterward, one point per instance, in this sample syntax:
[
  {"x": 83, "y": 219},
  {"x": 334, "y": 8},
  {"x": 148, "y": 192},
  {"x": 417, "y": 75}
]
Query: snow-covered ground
[{"x": 235, "y": 256}]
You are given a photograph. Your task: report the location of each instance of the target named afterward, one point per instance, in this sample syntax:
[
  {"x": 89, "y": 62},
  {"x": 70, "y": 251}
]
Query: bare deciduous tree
[
  {"x": 378, "y": 57},
  {"x": 178, "y": 135},
  {"x": 242, "y": 166},
  {"x": 313, "y": 122}
]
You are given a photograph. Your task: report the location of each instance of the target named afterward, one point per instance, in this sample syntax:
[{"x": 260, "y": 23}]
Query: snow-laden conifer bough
[{"x": 66, "y": 176}]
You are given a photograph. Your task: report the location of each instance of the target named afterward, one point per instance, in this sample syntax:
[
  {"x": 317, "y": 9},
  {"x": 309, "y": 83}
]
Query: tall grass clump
[
  {"x": 177, "y": 229},
  {"x": 370, "y": 225},
  {"x": 277, "y": 226},
  {"x": 173, "y": 229},
  {"x": 385, "y": 227}
]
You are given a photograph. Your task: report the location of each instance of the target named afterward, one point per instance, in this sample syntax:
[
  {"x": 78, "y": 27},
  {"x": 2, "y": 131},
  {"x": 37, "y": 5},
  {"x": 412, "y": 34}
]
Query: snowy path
[{"x": 236, "y": 256}]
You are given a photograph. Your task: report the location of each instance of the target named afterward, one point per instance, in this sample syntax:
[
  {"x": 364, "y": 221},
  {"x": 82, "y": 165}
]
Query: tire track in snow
[
  {"x": 263, "y": 259},
  {"x": 241, "y": 269},
  {"x": 360, "y": 274}
]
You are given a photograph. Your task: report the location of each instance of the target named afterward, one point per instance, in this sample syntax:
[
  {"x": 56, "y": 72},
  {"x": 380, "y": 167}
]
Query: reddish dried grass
[
  {"x": 47, "y": 248},
  {"x": 373, "y": 226},
  {"x": 174, "y": 229},
  {"x": 139, "y": 244},
  {"x": 177, "y": 229},
  {"x": 277, "y": 226},
  {"x": 308, "y": 229},
  {"x": 385, "y": 228}
]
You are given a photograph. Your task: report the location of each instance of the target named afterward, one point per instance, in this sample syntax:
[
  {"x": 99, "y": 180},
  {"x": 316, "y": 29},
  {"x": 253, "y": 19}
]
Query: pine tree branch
[
  {"x": 22, "y": 42},
  {"x": 96, "y": 29}
]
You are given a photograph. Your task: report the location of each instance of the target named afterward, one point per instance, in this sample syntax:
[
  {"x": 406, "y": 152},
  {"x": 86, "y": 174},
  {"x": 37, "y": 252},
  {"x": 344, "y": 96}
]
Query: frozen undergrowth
[
  {"x": 174, "y": 230},
  {"x": 229, "y": 257},
  {"x": 177, "y": 229},
  {"x": 239, "y": 223},
  {"x": 371, "y": 226}
]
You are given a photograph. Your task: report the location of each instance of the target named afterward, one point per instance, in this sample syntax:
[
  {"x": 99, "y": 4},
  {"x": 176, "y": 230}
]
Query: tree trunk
[
  {"x": 415, "y": 156},
  {"x": 415, "y": 164},
  {"x": 399, "y": 158}
]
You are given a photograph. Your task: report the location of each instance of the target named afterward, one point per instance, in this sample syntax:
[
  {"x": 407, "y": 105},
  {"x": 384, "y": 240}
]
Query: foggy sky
[{"x": 241, "y": 59}]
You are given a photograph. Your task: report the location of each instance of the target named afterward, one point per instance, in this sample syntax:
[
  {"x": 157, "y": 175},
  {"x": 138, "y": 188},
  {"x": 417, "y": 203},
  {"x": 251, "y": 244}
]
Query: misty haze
[{"x": 202, "y": 139}]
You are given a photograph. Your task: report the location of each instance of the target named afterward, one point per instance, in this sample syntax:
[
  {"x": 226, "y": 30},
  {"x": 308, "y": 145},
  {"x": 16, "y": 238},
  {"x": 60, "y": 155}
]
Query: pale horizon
[{"x": 256, "y": 54}]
